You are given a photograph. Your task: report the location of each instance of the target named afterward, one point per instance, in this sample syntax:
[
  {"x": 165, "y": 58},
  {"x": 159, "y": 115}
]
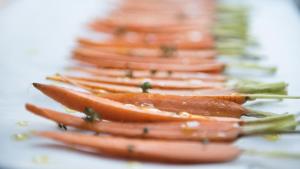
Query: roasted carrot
[
  {"x": 116, "y": 111},
  {"x": 153, "y": 150},
  {"x": 207, "y": 43},
  {"x": 156, "y": 84},
  {"x": 157, "y": 53},
  {"x": 163, "y": 60},
  {"x": 150, "y": 74},
  {"x": 118, "y": 64},
  {"x": 190, "y": 130}
]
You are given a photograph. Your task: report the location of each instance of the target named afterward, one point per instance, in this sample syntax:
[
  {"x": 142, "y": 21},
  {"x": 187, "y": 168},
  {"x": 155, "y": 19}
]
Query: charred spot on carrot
[
  {"x": 145, "y": 130},
  {"x": 130, "y": 148}
]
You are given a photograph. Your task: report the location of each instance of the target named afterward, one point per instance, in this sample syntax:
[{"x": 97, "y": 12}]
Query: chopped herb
[
  {"x": 145, "y": 130},
  {"x": 145, "y": 86},
  {"x": 168, "y": 51},
  {"x": 91, "y": 115},
  {"x": 41, "y": 159},
  {"x": 120, "y": 30},
  {"x": 130, "y": 148},
  {"x": 21, "y": 136},
  {"x": 153, "y": 72},
  {"x": 169, "y": 72},
  {"x": 62, "y": 126},
  {"x": 22, "y": 123},
  {"x": 129, "y": 74}
]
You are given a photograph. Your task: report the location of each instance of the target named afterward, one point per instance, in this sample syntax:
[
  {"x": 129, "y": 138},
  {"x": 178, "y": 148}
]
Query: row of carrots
[{"x": 154, "y": 89}]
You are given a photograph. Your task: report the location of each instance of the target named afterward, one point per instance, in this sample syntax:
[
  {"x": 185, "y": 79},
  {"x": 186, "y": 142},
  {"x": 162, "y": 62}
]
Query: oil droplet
[
  {"x": 189, "y": 127},
  {"x": 184, "y": 114},
  {"x": 129, "y": 105},
  {"x": 21, "y": 136},
  {"x": 148, "y": 105},
  {"x": 272, "y": 137},
  {"x": 22, "y": 123},
  {"x": 41, "y": 159},
  {"x": 151, "y": 109}
]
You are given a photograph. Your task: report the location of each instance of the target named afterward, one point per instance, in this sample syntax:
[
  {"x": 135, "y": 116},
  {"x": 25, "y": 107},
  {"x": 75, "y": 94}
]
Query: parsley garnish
[
  {"x": 168, "y": 51},
  {"x": 145, "y": 86}
]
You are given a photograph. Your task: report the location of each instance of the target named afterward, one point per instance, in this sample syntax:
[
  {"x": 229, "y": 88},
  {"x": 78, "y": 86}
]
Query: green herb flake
[
  {"x": 146, "y": 86},
  {"x": 168, "y": 51},
  {"x": 129, "y": 74},
  {"x": 41, "y": 159},
  {"x": 91, "y": 115},
  {"x": 130, "y": 148},
  {"x": 21, "y": 136},
  {"x": 22, "y": 123},
  {"x": 145, "y": 130}
]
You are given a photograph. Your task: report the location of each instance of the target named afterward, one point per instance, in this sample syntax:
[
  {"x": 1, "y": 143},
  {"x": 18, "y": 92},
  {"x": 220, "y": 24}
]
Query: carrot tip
[{"x": 36, "y": 85}]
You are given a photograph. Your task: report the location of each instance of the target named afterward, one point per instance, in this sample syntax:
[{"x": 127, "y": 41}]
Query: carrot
[
  {"x": 159, "y": 84},
  {"x": 118, "y": 64},
  {"x": 215, "y": 131},
  {"x": 222, "y": 94},
  {"x": 115, "y": 111},
  {"x": 112, "y": 56},
  {"x": 152, "y": 150},
  {"x": 204, "y": 44},
  {"x": 149, "y": 74},
  {"x": 190, "y": 130},
  {"x": 156, "y": 53}
]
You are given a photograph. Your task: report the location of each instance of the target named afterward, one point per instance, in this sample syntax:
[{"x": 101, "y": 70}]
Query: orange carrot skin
[
  {"x": 206, "y": 106},
  {"x": 116, "y": 111},
  {"x": 212, "y": 131},
  {"x": 150, "y": 150}
]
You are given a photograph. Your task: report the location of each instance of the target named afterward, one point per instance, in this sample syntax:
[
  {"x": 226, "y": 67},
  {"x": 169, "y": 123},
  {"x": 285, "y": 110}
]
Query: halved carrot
[
  {"x": 153, "y": 150},
  {"x": 156, "y": 84},
  {"x": 156, "y": 53},
  {"x": 116, "y": 111},
  {"x": 190, "y": 130},
  {"x": 148, "y": 74},
  {"x": 113, "y": 56},
  {"x": 118, "y": 64},
  {"x": 204, "y": 44}
]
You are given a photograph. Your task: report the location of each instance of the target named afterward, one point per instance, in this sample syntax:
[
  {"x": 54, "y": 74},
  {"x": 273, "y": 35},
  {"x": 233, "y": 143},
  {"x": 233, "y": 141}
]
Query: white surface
[{"x": 36, "y": 38}]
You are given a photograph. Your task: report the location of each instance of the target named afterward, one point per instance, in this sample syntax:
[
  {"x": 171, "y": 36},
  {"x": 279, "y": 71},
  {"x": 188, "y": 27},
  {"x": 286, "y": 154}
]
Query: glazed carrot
[
  {"x": 118, "y": 64},
  {"x": 153, "y": 150},
  {"x": 215, "y": 131},
  {"x": 149, "y": 74},
  {"x": 112, "y": 56},
  {"x": 115, "y": 111},
  {"x": 156, "y": 84},
  {"x": 190, "y": 130},
  {"x": 157, "y": 53},
  {"x": 204, "y": 44}
]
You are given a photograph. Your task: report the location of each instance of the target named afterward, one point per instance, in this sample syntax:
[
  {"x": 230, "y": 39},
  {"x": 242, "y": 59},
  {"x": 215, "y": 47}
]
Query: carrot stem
[
  {"x": 258, "y": 113},
  {"x": 267, "y": 69},
  {"x": 276, "y": 154},
  {"x": 252, "y": 88},
  {"x": 269, "y": 96}
]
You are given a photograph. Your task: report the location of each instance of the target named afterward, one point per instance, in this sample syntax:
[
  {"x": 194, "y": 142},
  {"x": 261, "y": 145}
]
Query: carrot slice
[
  {"x": 116, "y": 111},
  {"x": 153, "y": 150},
  {"x": 190, "y": 130}
]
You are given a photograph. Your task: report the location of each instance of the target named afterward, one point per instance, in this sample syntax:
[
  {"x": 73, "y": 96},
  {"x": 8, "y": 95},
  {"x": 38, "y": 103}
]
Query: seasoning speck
[
  {"x": 41, "y": 159},
  {"x": 22, "y": 123},
  {"x": 62, "y": 126},
  {"x": 21, "y": 136},
  {"x": 130, "y": 148},
  {"x": 145, "y": 130}
]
